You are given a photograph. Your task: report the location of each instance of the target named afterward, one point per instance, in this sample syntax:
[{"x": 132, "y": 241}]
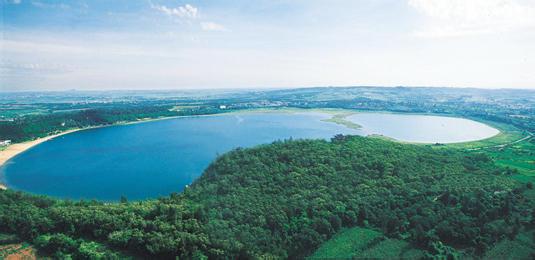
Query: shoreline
[
  {"x": 338, "y": 117},
  {"x": 17, "y": 148}
]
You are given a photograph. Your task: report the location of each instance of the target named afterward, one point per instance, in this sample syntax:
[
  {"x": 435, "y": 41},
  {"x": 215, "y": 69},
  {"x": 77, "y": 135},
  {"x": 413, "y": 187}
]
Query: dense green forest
[{"x": 285, "y": 199}]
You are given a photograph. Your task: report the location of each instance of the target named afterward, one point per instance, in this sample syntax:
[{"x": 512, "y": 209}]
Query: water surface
[
  {"x": 422, "y": 128},
  {"x": 156, "y": 158}
]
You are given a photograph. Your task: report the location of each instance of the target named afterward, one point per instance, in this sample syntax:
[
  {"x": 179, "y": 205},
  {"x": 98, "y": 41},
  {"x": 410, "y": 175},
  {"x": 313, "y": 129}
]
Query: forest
[{"x": 285, "y": 199}]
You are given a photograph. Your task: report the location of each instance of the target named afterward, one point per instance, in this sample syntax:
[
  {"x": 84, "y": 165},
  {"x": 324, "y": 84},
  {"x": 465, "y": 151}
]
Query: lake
[{"x": 152, "y": 159}]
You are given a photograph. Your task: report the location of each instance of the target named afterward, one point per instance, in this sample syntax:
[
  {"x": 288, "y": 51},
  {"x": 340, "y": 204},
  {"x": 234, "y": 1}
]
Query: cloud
[
  {"x": 186, "y": 11},
  {"x": 12, "y": 68},
  {"x": 453, "y": 18},
  {"x": 49, "y": 5},
  {"x": 210, "y": 26},
  {"x": 189, "y": 12},
  {"x": 15, "y": 2}
]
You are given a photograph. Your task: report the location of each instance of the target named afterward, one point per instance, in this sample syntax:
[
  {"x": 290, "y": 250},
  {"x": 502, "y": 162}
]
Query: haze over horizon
[{"x": 173, "y": 44}]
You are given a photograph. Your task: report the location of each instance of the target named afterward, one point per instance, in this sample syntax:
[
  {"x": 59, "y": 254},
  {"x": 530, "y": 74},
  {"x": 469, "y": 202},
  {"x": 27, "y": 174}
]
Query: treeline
[
  {"x": 34, "y": 126},
  {"x": 284, "y": 199}
]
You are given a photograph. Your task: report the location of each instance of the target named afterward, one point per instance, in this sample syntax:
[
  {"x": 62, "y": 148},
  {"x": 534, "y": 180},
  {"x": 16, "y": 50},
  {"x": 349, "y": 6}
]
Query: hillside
[{"x": 287, "y": 198}]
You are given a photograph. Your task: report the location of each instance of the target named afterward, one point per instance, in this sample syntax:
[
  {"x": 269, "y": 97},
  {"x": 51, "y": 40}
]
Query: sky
[{"x": 174, "y": 44}]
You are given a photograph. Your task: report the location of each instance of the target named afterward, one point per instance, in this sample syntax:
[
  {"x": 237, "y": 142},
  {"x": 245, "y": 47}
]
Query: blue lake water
[{"x": 156, "y": 158}]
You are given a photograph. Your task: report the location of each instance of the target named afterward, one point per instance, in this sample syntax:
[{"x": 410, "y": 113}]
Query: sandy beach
[{"x": 14, "y": 149}]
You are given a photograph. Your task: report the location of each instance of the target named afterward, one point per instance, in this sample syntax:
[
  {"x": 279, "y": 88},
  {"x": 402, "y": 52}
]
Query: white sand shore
[{"x": 14, "y": 149}]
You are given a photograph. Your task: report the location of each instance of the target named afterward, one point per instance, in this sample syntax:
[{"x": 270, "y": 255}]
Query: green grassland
[
  {"x": 348, "y": 243},
  {"x": 519, "y": 156},
  {"x": 511, "y": 148},
  {"x": 392, "y": 249},
  {"x": 9, "y": 112},
  {"x": 361, "y": 242}
]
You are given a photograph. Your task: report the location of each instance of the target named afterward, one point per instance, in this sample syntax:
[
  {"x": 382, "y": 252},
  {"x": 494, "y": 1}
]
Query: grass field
[
  {"x": 392, "y": 249},
  {"x": 348, "y": 243},
  {"x": 519, "y": 156},
  {"x": 511, "y": 148},
  {"x": 12, "y": 113},
  {"x": 366, "y": 243}
]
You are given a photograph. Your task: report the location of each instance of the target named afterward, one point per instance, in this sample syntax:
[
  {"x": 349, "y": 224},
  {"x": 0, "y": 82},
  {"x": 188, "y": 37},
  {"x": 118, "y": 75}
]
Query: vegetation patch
[
  {"x": 519, "y": 156},
  {"x": 392, "y": 249},
  {"x": 512, "y": 149},
  {"x": 341, "y": 120},
  {"x": 8, "y": 238},
  {"x": 348, "y": 243},
  {"x": 17, "y": 251}
]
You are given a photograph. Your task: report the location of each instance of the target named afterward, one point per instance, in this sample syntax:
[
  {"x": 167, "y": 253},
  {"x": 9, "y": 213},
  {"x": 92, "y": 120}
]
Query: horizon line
[{"x": 258, "y": 88}]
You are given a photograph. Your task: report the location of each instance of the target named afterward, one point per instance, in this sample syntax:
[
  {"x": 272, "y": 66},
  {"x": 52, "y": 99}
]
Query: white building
[{"x": 5, "y": 142}]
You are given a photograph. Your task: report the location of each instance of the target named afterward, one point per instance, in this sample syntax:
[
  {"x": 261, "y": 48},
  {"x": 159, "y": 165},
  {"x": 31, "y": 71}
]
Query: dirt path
[{"x": 530, "y": 135}]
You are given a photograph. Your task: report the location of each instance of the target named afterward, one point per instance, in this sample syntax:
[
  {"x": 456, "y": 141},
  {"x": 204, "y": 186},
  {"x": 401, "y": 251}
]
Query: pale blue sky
[{"x": 168, "y": 44}]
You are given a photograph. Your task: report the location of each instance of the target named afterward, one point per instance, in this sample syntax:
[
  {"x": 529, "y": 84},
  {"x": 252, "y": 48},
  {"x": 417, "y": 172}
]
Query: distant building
[
  {"x": 222, "y": 107},
  {"x": 5, "y": 142}
]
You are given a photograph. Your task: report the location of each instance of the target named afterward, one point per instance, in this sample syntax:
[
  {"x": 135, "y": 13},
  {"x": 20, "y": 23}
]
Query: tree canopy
[{"x": 285, "y": 199}]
